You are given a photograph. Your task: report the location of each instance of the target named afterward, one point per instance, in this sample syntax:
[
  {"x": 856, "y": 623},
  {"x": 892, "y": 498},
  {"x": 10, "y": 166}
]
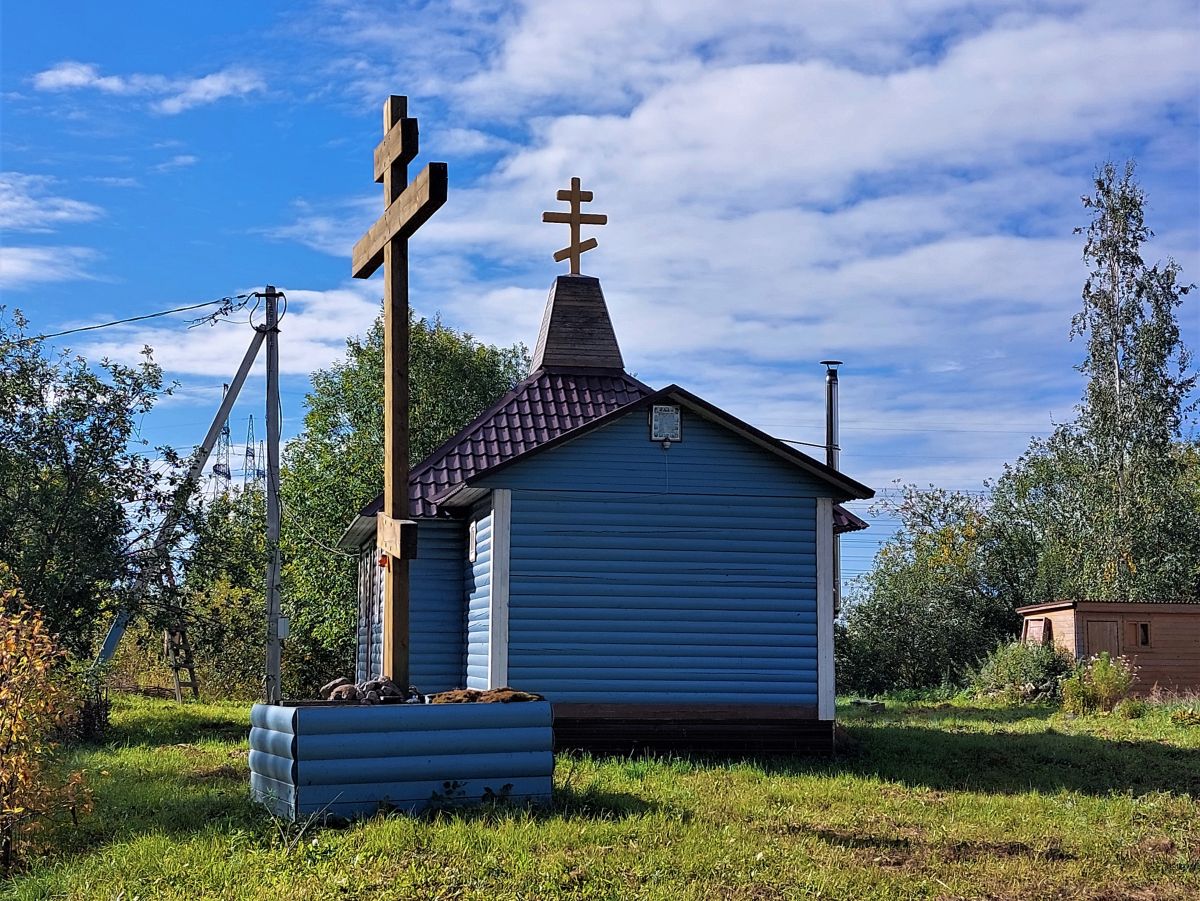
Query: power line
[{"x": 100, "y": 325}]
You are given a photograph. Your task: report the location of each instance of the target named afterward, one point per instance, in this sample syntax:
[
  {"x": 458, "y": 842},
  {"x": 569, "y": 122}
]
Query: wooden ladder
[
  {"x": 178, "y": 650},
  {"x": 179, "y": 657}
]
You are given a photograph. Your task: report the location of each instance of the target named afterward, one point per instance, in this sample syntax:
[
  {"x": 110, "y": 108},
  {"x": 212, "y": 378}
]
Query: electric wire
[{"x": 100, "y": 325}]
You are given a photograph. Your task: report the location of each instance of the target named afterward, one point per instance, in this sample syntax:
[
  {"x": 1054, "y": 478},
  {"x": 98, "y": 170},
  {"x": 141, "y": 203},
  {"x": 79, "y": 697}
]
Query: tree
[
  {"x": 74, "y": 489},
  {"x": 929, "y": 609},
  {"x": 222, "y": 592},
  {"x": 1105, "y": 508},
  {"x": 330, "y": 471}
]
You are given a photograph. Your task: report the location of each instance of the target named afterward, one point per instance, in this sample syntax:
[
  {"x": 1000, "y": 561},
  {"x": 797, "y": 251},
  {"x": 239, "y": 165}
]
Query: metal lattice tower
[
  {"x": 222, "y": 476},
  {"x": 252, "y": 472}
]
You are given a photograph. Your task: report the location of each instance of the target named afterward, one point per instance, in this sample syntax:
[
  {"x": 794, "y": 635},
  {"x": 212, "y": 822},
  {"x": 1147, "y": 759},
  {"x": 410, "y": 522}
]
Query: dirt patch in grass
[
  {"x": 879, "y": 850},
  {"x": 224, "y": 771},
  {"x": 1160, "y": 845},
  {"x": 975, "y": 849}
]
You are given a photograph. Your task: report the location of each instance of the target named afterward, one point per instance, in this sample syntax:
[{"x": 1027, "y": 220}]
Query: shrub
[
  {"x": 1017, "y": 672},
  {"x": 1186, "y": 716},
  {"x": 1131, "y": 708},
  {"x": 34, "y": 707},
  {"x": 1078, "y": 695},
  {"x": 1113, "y": 678},
  {"x": 1098, "y": 684}
]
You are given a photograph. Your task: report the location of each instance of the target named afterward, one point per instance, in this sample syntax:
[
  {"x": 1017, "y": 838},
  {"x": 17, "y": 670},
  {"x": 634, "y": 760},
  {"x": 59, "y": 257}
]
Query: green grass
[{"x": 928, "y": 801}]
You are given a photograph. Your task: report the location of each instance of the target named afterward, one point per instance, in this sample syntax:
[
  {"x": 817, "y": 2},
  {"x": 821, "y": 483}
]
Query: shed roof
[{"x": 1177, "y": 605}]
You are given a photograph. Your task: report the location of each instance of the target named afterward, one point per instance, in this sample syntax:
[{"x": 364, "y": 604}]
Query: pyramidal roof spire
[{"x": 576, "y": 330}]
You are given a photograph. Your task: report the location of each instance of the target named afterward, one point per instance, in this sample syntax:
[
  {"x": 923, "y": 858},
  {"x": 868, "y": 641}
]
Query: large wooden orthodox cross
[
  {"x": 575, "y": 218},
  {"x": 406, "y": 208}
]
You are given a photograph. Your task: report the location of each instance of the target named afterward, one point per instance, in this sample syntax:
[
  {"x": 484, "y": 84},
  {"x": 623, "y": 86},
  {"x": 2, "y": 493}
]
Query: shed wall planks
[
  {"x": 1171, "y": 661},
  {"x": 435, "y": 609}
]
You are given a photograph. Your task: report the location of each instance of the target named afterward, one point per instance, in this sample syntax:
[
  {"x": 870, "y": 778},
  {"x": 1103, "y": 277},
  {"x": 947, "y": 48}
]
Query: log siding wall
[
  {"x": 435, "y": 612},
  {"x": 478, "y": 592},
  {"x": 644, "y": 575},
  {"x": 354, "y": 761}
]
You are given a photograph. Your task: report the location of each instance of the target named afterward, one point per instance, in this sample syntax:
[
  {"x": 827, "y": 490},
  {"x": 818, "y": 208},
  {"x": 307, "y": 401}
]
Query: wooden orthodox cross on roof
[
  {"x": 406, "y": 208},
  {"x": 575, "y": 218}
]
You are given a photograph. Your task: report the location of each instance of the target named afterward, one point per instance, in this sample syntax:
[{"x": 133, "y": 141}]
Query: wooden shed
[
  {"x": 1163, "y": 639},
  {"x": 659, "y": 570}
]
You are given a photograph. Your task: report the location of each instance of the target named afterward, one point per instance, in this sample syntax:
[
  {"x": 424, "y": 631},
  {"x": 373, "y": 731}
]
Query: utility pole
[{"x": 274, "y": 636}]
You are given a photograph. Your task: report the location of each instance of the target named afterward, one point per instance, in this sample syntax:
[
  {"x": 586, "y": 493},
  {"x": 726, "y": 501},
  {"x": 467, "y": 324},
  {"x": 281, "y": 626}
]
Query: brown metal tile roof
[
  {"x": 538, "y": 409},
  {"x": 845, "y": 521}
]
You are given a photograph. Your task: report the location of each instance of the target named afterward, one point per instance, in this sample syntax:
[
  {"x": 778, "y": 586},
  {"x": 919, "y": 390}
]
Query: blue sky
[{"x": 894, "y": 185}]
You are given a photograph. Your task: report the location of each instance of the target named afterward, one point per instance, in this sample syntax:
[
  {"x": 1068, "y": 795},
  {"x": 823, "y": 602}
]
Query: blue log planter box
[{"x": 347, "y": 761}]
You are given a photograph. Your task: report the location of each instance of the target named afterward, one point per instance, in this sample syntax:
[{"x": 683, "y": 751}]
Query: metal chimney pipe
[
  {"x": 833, "y": 448},
  {"x": 833, "y": 456}
]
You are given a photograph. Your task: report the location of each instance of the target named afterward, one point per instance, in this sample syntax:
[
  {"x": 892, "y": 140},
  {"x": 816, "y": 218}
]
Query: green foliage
[
  {"x": 1018, "y": 672},
  {"x": 1112, "y": 677},
  {"x": 1186, "y": 714},
  {"x": 223, "y": 584},
  {"x": 330, "y": 471},
  {"x": 73, "y": 485},
  {"x": 927, "y": 612},
  {"x": 1131, "y": 708},
  {"x": 1098, "y": 684},
  {"x": 1108, "y": 507}
]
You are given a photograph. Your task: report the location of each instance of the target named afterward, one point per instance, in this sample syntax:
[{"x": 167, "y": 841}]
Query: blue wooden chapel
[{"x": 659, "y": 570}]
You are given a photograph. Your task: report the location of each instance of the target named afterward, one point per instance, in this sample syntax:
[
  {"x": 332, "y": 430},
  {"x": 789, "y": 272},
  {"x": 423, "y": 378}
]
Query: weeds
[
  {"x": 1018, "y": 672},
  {"x": 1098, "y": 684}
]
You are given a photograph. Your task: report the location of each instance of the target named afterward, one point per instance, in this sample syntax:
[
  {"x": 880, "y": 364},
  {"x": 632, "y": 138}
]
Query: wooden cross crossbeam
[
  {"x": 575, "y": 196},
  {"x": 406, "y": 208}
]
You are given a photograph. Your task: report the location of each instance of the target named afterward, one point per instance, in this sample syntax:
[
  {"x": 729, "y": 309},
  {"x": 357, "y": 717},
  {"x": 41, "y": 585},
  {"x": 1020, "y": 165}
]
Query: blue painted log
[
  {"x": 435, "y": 609},
  {"x": 352, "y": 761}
]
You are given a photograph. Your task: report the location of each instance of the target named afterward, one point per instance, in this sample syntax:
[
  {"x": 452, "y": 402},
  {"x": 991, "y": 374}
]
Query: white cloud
[
  {"x": 312, "y": 336},
  {"x": 115, "y": 181},
  {"x": 71, "y": 75},
  {"x": 892, "y": 184},
  {"x": 210, "y": 89},
  {"x": 179, "y": 161},
  {"x": 174, "y": 95},
  {"x": 27, "y": 204},
  {"x": 21, "y": 267}
]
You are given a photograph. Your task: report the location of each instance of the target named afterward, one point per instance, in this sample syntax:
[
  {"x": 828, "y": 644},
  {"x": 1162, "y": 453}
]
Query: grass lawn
[{"x": 942, "y": 801}]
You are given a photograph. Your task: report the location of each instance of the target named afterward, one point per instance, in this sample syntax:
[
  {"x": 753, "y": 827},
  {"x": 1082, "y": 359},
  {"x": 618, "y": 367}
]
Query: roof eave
[
  {"x": 361, "y": 528},
  {"x": 852, "y": 488}
]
